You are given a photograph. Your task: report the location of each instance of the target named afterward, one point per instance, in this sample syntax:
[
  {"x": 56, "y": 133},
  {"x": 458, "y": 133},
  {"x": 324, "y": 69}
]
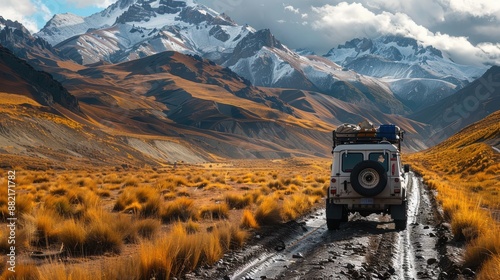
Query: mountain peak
[{"x": 12, "y": 24}]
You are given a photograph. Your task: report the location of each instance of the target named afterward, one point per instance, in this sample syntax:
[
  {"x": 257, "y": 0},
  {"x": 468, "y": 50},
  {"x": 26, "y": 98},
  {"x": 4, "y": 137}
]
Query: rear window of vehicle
[
  {"x": 349, "y": 160},
  {"x": 382, "y": 158}
]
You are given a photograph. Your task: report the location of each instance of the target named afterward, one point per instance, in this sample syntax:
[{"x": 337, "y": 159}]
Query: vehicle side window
[
  {"x": 349, "y": 160},
  {"x": 381, "y": 158}
]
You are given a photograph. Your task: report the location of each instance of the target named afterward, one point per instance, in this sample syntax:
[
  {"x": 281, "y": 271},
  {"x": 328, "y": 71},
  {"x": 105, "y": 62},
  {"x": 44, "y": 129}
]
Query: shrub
[
  {"x": 268, "y": 212},
  {"x": 248, "y": 220},
  {"x": 147, "y": 228},
  {"x": 295, "y": 206},
  {"x": 215, "y": 211},
  {"x": 238, "y": 201},
  {"x": 181, "y": 209},
  {"x": 72, "y": 235},
  {"x": 125, "y": 226},
  {"x": 102, "y": 238}
]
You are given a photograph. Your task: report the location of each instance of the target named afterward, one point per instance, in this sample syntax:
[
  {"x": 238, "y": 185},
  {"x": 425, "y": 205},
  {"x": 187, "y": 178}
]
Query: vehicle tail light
[
  {"x": 397, "y": 190},
  {"x": 396, "y": 180},
  {"x": 333, "y": 191},
  {"x": 393, "y": 169},
  {"x": 334, "y": 180}
]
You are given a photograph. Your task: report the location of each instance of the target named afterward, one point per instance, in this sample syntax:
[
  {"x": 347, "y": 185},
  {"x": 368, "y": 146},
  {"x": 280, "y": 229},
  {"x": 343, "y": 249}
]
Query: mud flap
[
  {"x": 334, "y": 211},
  {"x": 398, "y": 212}
]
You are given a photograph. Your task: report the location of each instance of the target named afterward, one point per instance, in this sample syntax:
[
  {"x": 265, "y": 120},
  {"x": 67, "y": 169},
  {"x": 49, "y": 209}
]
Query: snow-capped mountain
[
  {"x": 14, "y": 36},
  {"x": 415, "y": 72},
  {"x": 131, "y": 29},
  {"x": 394, "y": 73}
]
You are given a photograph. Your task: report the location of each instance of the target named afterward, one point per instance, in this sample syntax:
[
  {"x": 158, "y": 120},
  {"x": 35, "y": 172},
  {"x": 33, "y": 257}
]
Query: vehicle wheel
[
  {"x": 333, "y": 224},
  {"x": 345, "y": 215},
  {"x": 368, "y": 178},
  {"x": 401, "y": 223}
]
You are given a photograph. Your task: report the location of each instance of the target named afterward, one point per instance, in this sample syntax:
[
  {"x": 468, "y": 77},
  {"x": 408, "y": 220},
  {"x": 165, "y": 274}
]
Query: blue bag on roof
[{"x": 388, "y": 131}]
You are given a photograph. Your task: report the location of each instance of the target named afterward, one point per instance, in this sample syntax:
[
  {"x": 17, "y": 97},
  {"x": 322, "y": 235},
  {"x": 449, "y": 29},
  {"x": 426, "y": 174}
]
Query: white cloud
[
  {"x": 292, "y": 9},
  {"x": 476, "y": 8},
  {"x": 281, "y": 21},
  {"x": 22, "y": 11},
  {"x": 92, "y": 3},
  {"x": 346, "y": 21},
  {"x": 304, "y": 16}
]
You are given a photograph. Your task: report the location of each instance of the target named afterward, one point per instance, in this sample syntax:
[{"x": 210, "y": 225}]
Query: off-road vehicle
[{"x": 367, "y": 175}]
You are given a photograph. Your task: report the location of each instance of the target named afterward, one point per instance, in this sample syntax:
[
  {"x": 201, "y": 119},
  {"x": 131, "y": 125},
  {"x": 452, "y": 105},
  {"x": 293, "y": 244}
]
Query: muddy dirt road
[{"x": 364, "y": 248}]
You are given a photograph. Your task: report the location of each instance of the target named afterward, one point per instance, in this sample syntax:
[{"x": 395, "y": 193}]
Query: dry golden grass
[
  {"x": 75, "y": 208},
  {"x": 181, "y": 209},
  {"x": 72, "y": 234},
  {"x": 464, "y": 171},
  {"x": 215, "y": 211},
  {"x": 238, "y": 201},
  {"x": 22, "y": 272},
  {"x": 145, "y": 201},
  {"x": 268, "y": 212},
  {"x": 248, "y": 220},
  {"x": 295, "y": 206},
  {"x": 491, "y": 269}
]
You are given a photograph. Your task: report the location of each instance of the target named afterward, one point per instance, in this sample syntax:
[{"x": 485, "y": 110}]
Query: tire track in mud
[{"x": 363, "y": 248}]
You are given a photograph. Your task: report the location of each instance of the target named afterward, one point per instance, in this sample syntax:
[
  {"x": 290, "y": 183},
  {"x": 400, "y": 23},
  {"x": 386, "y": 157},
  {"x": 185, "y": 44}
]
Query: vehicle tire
[
  {"x": 345, "y": 215},
  {"x": 368, "y": 178},
  {"x": 333, "y": 224},
  {"x": 400, "y": 224}
]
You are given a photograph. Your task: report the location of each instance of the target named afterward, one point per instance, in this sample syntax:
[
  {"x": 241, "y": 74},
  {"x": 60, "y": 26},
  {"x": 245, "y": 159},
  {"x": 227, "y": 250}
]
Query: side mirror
[{"x": 406, "y": 168}]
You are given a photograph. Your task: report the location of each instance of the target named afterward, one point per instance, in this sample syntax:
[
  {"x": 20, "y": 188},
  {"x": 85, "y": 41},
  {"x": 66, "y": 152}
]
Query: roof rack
[{"x": 355, "y": 138}]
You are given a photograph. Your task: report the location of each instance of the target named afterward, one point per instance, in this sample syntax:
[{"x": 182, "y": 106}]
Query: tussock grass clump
[
  {"x": 147, "y": 228},
  {"x": 60, "y": 204},
  {"x": 72, "y": 234},
  {"x": 178, "y": 252},
  {"x": 248, "y": 220},
  {"x": 484, "y": 248},
  {"x": 491, "y": 269},
  {"x": 58, "y": 190},
  {"x": 295, "y": 206},
  {"x": 113, "y": 179},
  {"x": 317, "y": 191},
  {"x": 145, "y": 201},
  {"x": 43, "y": 227},
  {"x": 268, "y": 212},
  {"x": 238, "y": 201},
  {"x": 215, "y": 211},
  {"x": 131, "y": 182},
  {"x": 181, "y": 209},
  {"x": 192, "y": 227},
  {"x": 41, "y": 178},
  {"x": 275, "y": 185},
  {"x": 102, "y": 238},
  {"x": 86, "y": 182}
]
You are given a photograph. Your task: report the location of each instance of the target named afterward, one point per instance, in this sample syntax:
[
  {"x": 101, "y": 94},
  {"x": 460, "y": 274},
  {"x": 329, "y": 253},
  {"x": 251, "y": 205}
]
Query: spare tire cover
[{"x": 368, "y": 178}]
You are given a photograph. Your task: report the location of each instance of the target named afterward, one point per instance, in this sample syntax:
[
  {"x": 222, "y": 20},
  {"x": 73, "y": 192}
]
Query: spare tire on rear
[{"x": 368, "y": 178}]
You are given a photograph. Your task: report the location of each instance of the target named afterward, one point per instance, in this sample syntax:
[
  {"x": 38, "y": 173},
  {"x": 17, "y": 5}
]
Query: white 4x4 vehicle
[{"x": 367, "y": 176}]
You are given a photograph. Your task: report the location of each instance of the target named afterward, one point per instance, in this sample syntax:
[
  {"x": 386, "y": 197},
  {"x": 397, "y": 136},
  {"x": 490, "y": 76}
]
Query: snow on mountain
[
  {"x": 393, "y": 68},
  {"x": 415, "y": 72},
  {"x": 63, "y": 26},
  {"x": 149, "y": 27}
]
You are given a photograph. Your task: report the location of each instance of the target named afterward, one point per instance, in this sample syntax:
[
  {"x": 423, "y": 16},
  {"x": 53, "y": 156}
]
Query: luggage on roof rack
[{"x": 355, "y": 134}]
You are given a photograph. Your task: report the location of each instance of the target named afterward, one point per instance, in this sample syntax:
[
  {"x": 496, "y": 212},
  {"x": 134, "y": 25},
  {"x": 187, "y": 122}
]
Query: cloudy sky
[{"x": 469, "y": 30}]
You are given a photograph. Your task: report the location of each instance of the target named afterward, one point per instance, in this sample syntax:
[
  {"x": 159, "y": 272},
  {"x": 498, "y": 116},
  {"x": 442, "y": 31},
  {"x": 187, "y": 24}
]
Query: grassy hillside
[{"x": 465, "y": 170}]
